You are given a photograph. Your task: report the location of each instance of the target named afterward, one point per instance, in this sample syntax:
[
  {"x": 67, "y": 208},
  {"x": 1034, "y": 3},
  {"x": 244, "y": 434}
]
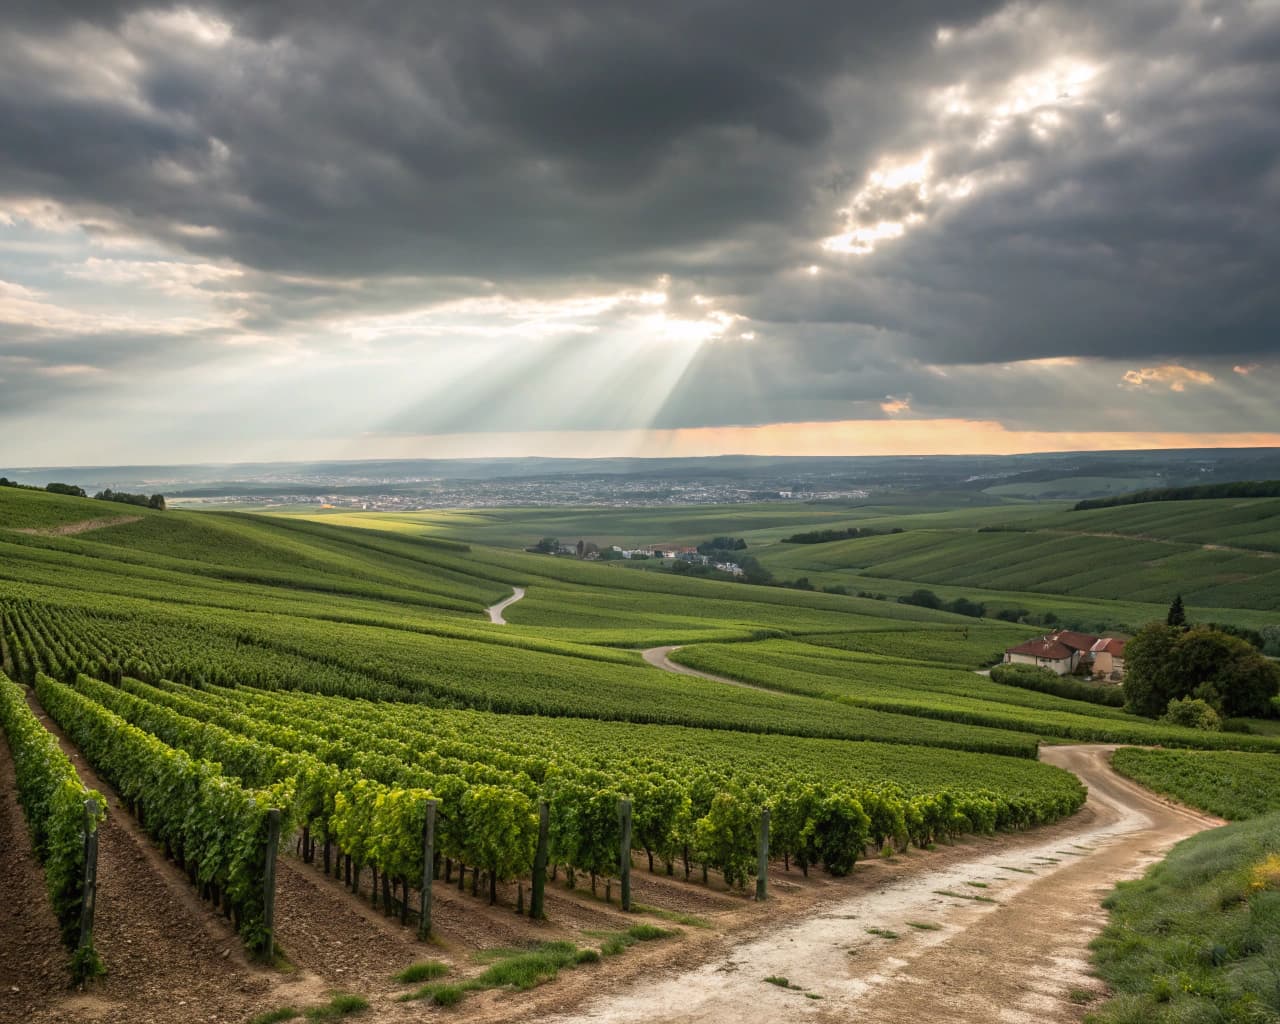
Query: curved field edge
[
  {"x": 1230, "y": 784},
  {"x": 1198, "y": 937},
  {"x": 925, "y": 691}
]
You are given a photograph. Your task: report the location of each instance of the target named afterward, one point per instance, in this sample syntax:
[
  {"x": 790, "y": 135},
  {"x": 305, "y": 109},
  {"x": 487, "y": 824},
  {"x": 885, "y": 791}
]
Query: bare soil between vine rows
[{"x": 171, "y": 957}]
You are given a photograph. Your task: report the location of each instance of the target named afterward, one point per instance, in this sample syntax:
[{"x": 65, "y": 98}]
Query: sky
[{"x": 237, "y": 231}]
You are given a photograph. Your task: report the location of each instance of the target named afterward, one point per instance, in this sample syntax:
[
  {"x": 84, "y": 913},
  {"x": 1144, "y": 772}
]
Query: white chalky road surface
[{"x": 1012, "y": 961}]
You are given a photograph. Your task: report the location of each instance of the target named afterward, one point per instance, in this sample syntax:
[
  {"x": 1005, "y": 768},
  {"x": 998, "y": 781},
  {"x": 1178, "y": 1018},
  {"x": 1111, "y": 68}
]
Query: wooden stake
[
  {"x": 269, "y": 880},
  {"x": 90, "y": 885},
  {"x": 762, "y": 861},
  {"x": 624, "y": 852},
  {"x": 536, "y": 906},
  {"x": 428, "y": 870}
]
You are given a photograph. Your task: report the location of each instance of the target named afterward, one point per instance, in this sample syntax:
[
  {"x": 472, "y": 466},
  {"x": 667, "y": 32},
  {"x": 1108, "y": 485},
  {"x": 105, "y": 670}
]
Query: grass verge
[{"x": 1198, "y": 938}]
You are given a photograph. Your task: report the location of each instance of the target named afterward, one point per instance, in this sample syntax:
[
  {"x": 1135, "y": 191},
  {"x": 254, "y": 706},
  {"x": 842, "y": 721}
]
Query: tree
[
  {"x": 753, "y": 571},
  {"x": 922, "y": 598},
  {"x": 547, "y": 546},
  {"x": 71, "y": 489},
  {"x": 1177, "y": 616},
  {"x": 718, "y": 544},
  {"x": 1150, "y": 681},
  {"x": 156, "y": 501},
  {"x": 963, "y": 606},
  {"x": 1164, "y": 663},
  {"x": 1248, "y": 683},
  {"x": 1270, "y": 640}
]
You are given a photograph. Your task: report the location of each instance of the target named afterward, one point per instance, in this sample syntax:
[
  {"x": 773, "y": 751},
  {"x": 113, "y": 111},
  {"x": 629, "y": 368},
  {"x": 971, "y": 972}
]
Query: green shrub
[
  {"x": 447, "y": 995},
  {"x": 425, "y": 970},
  {"x": 1192, "y": 713},
  {"x": 1043, "y": 680},
  {"x": 340, "y": 1005},
  {"x": 526, "y": 970}
]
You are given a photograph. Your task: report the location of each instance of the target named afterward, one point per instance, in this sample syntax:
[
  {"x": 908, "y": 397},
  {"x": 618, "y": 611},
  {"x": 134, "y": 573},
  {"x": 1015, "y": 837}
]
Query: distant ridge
[{"x": 1239, "y": 489}]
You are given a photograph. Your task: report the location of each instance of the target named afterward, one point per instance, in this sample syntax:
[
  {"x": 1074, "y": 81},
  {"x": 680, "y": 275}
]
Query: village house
[{"x": 1067, "y": 651}]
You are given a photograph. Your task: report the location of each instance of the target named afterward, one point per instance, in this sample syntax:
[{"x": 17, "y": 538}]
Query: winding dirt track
[
  {"x": 1010, "y": 948},
  {"x": 660, "y": 657},
  {"x": 495, "y": 611}
]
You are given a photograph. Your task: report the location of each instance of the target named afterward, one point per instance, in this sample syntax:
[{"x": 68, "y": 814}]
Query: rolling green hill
[{"x": 345, "y": 676}]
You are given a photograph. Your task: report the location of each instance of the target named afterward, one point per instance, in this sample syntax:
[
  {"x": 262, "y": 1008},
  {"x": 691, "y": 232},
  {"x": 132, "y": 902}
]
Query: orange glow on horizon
[{"x": 837, "y": 438}]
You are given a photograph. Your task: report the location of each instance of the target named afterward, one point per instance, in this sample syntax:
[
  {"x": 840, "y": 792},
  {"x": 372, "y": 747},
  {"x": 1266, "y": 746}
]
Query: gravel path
[
  {"x": 495, "y": 611},
  {"x": 1010, "y": 946},
  {"x": 660, "y": 657}
]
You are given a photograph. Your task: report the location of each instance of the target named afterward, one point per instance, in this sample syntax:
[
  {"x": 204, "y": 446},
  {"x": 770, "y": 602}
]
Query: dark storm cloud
[
  {"x": 365, "y": 159},
  {"x": 516, "y": 139}
]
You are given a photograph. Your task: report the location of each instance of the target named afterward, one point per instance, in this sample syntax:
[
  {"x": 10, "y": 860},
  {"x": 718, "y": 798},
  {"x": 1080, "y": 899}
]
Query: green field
[
  {"x": 341, "y": 662},
  {"x": 1198, "y": 938},
  {"x": 1099, "y": 569},
  {"x": 1231, "y": 785}
]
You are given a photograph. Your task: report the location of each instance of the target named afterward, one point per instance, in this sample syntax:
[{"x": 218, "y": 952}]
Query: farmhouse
[{"x": 1067, "y": 651}]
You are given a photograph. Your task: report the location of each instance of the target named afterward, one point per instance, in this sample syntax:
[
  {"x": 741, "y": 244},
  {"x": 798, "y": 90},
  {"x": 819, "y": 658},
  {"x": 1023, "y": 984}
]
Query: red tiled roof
[
  {"x": 1043, "y": 647},
  {"x": 1111, "y": 644},
  {"x": 1076, "y": 641}
]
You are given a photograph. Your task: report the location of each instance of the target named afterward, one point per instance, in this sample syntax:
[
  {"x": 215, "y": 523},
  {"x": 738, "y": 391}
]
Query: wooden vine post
[
  {"x": 624, "y": 852},
  {"x": 428, "y": 870},
  {"x": 90, "y": 884},
  {"x": 762, "y": 862},
  {"x": 269, "y": 881},
  {"x": 536, "y": 910}
]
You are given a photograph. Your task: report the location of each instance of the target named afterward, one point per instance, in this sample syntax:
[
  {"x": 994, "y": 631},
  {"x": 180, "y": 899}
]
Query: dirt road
[
  {"x": 495, "y": 611},
  {"x": 1010, "y": 946},
  {"x": 660, "y": 657}
]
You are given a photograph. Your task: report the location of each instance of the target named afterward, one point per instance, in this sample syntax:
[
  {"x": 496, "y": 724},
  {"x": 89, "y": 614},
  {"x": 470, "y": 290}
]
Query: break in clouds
[{"x": 315, "y": 220}]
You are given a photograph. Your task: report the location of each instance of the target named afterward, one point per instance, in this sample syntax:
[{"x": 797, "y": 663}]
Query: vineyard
[
  {"x": 263, "y": 691},
  {"x": 1220, "y": 554},
  {"x": 1228, "y": 784},
  {"x": 357, "y": 777}
]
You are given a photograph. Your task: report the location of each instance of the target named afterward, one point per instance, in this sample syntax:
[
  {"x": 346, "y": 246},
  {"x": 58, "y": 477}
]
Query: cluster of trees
[
  {"x": 54, "y": 488},
  {"x": 155, "y": 501},
  {"x": 928, "y": 599},
  {"x": 124, "y": 497},
  {"x": 1185, "y": 672},
  {"x": 1239, "y": 489},
  {"x": 826, "y": 536},
  {"x": 69, "y": 489},
  {"x": 722, "y": 546}
]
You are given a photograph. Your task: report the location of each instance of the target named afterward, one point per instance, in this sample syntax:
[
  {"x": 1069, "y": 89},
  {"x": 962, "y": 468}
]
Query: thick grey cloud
[{"x": 1100, "y": 181}]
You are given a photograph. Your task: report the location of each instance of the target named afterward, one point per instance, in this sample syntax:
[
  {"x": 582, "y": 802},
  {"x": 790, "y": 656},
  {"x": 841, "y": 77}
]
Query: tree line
[
  {"x": 155, "y": 501},
  {"x": 1238, "y": 489},
  {"x": 827, "y": 536}
]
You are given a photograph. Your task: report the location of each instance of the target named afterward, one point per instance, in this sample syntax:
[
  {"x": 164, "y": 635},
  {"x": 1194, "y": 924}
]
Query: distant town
[{"x": 535, "y": 493}]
